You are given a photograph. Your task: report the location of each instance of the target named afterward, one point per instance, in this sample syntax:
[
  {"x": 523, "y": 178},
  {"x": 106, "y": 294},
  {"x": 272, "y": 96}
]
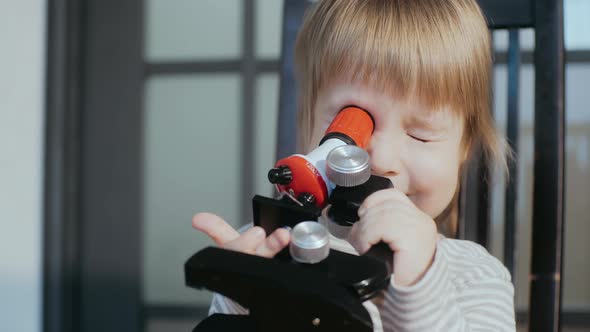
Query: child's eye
[{"x": 420, "y": 139}]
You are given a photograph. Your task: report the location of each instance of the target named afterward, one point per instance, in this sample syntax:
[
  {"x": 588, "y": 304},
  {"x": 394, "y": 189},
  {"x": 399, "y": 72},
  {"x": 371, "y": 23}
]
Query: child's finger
[
  {"x": 373, "y": 228},
  {"x": 380, "y": 196},
  {"x": 215, "y": 227},
  {"x": 274, "y": 243},
  {"x": 248, "y": 241},
  {"x": 358, "y": 238}
]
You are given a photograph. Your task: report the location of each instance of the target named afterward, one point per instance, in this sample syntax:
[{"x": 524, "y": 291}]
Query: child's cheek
[{"x": 433, "y": 181}]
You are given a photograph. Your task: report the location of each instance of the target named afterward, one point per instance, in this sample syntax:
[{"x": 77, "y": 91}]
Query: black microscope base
[{"x": 288, "y": 296}]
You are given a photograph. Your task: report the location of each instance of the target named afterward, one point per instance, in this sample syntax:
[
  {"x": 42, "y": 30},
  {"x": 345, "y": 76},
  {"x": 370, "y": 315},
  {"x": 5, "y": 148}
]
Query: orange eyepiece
[{"x": 354, "y": 122}]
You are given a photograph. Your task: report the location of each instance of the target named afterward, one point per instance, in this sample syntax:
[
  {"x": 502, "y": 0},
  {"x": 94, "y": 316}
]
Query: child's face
[{"x": 418, "y": 149}]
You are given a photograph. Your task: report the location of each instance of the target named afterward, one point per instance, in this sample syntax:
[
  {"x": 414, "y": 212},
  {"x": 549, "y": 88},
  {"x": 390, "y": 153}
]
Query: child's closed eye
[{"x": 420, "y": 138}]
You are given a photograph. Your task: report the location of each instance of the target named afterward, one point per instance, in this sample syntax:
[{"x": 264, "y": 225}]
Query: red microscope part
[{"x": 304, "y": 176}]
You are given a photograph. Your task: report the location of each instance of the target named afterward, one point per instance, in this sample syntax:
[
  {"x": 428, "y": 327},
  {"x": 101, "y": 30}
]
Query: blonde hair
[{"x": 436, "y": 50}]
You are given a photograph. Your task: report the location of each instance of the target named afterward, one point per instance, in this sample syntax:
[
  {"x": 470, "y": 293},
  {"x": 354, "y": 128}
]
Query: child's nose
[{"x": 385, "y": 157}]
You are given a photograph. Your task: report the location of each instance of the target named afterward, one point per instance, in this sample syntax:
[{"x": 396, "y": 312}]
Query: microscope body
[{"x": 282, "y": 293}]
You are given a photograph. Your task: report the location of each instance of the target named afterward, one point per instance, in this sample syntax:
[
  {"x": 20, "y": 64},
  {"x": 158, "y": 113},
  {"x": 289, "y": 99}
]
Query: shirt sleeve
[{"x": 465, "y": 289}]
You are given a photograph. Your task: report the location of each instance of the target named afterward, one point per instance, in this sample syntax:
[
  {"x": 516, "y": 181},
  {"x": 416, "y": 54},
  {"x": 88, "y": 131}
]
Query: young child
[{"x": 422, "y": 69}]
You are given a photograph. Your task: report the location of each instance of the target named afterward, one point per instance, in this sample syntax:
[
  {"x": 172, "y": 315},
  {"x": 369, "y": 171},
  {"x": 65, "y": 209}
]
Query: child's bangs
[{"x": 396, "y": 53}]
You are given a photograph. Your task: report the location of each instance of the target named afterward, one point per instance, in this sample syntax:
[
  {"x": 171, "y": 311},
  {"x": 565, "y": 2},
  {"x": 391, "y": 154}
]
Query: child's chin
[{"x": 415, "y": 198}]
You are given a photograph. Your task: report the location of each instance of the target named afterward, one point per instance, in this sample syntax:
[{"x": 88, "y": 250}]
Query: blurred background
[{"x": 119, "y": 120}]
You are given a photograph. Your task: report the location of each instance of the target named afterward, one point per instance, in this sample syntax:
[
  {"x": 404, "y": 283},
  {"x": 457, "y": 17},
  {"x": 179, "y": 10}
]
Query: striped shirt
[{"x": 465, "y": 289}]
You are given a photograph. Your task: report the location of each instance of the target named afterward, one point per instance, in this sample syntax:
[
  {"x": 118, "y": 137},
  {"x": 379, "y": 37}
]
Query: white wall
[{"x": 22, "y": 84}]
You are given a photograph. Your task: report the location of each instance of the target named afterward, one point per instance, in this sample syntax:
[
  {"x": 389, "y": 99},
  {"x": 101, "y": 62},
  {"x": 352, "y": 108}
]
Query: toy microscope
[{"x": 308, "y": 286}]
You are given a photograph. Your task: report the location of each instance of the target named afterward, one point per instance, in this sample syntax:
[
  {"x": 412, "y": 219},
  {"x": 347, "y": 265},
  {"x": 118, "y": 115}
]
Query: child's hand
[
  {"x": 253, "y": 241},
  {"x": 390, "y": 216}
]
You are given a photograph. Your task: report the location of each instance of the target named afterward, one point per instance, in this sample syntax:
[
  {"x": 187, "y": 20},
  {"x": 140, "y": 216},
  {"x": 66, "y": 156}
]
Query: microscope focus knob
[
  {"x": 310, "y": 242},
  {"x": 348, "y": 166}
]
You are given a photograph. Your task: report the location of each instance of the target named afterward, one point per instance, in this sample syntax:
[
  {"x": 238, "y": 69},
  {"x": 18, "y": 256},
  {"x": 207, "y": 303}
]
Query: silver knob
[
  {"x": 310, "y": 242},
  {"x": 348, "y": 166}
]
